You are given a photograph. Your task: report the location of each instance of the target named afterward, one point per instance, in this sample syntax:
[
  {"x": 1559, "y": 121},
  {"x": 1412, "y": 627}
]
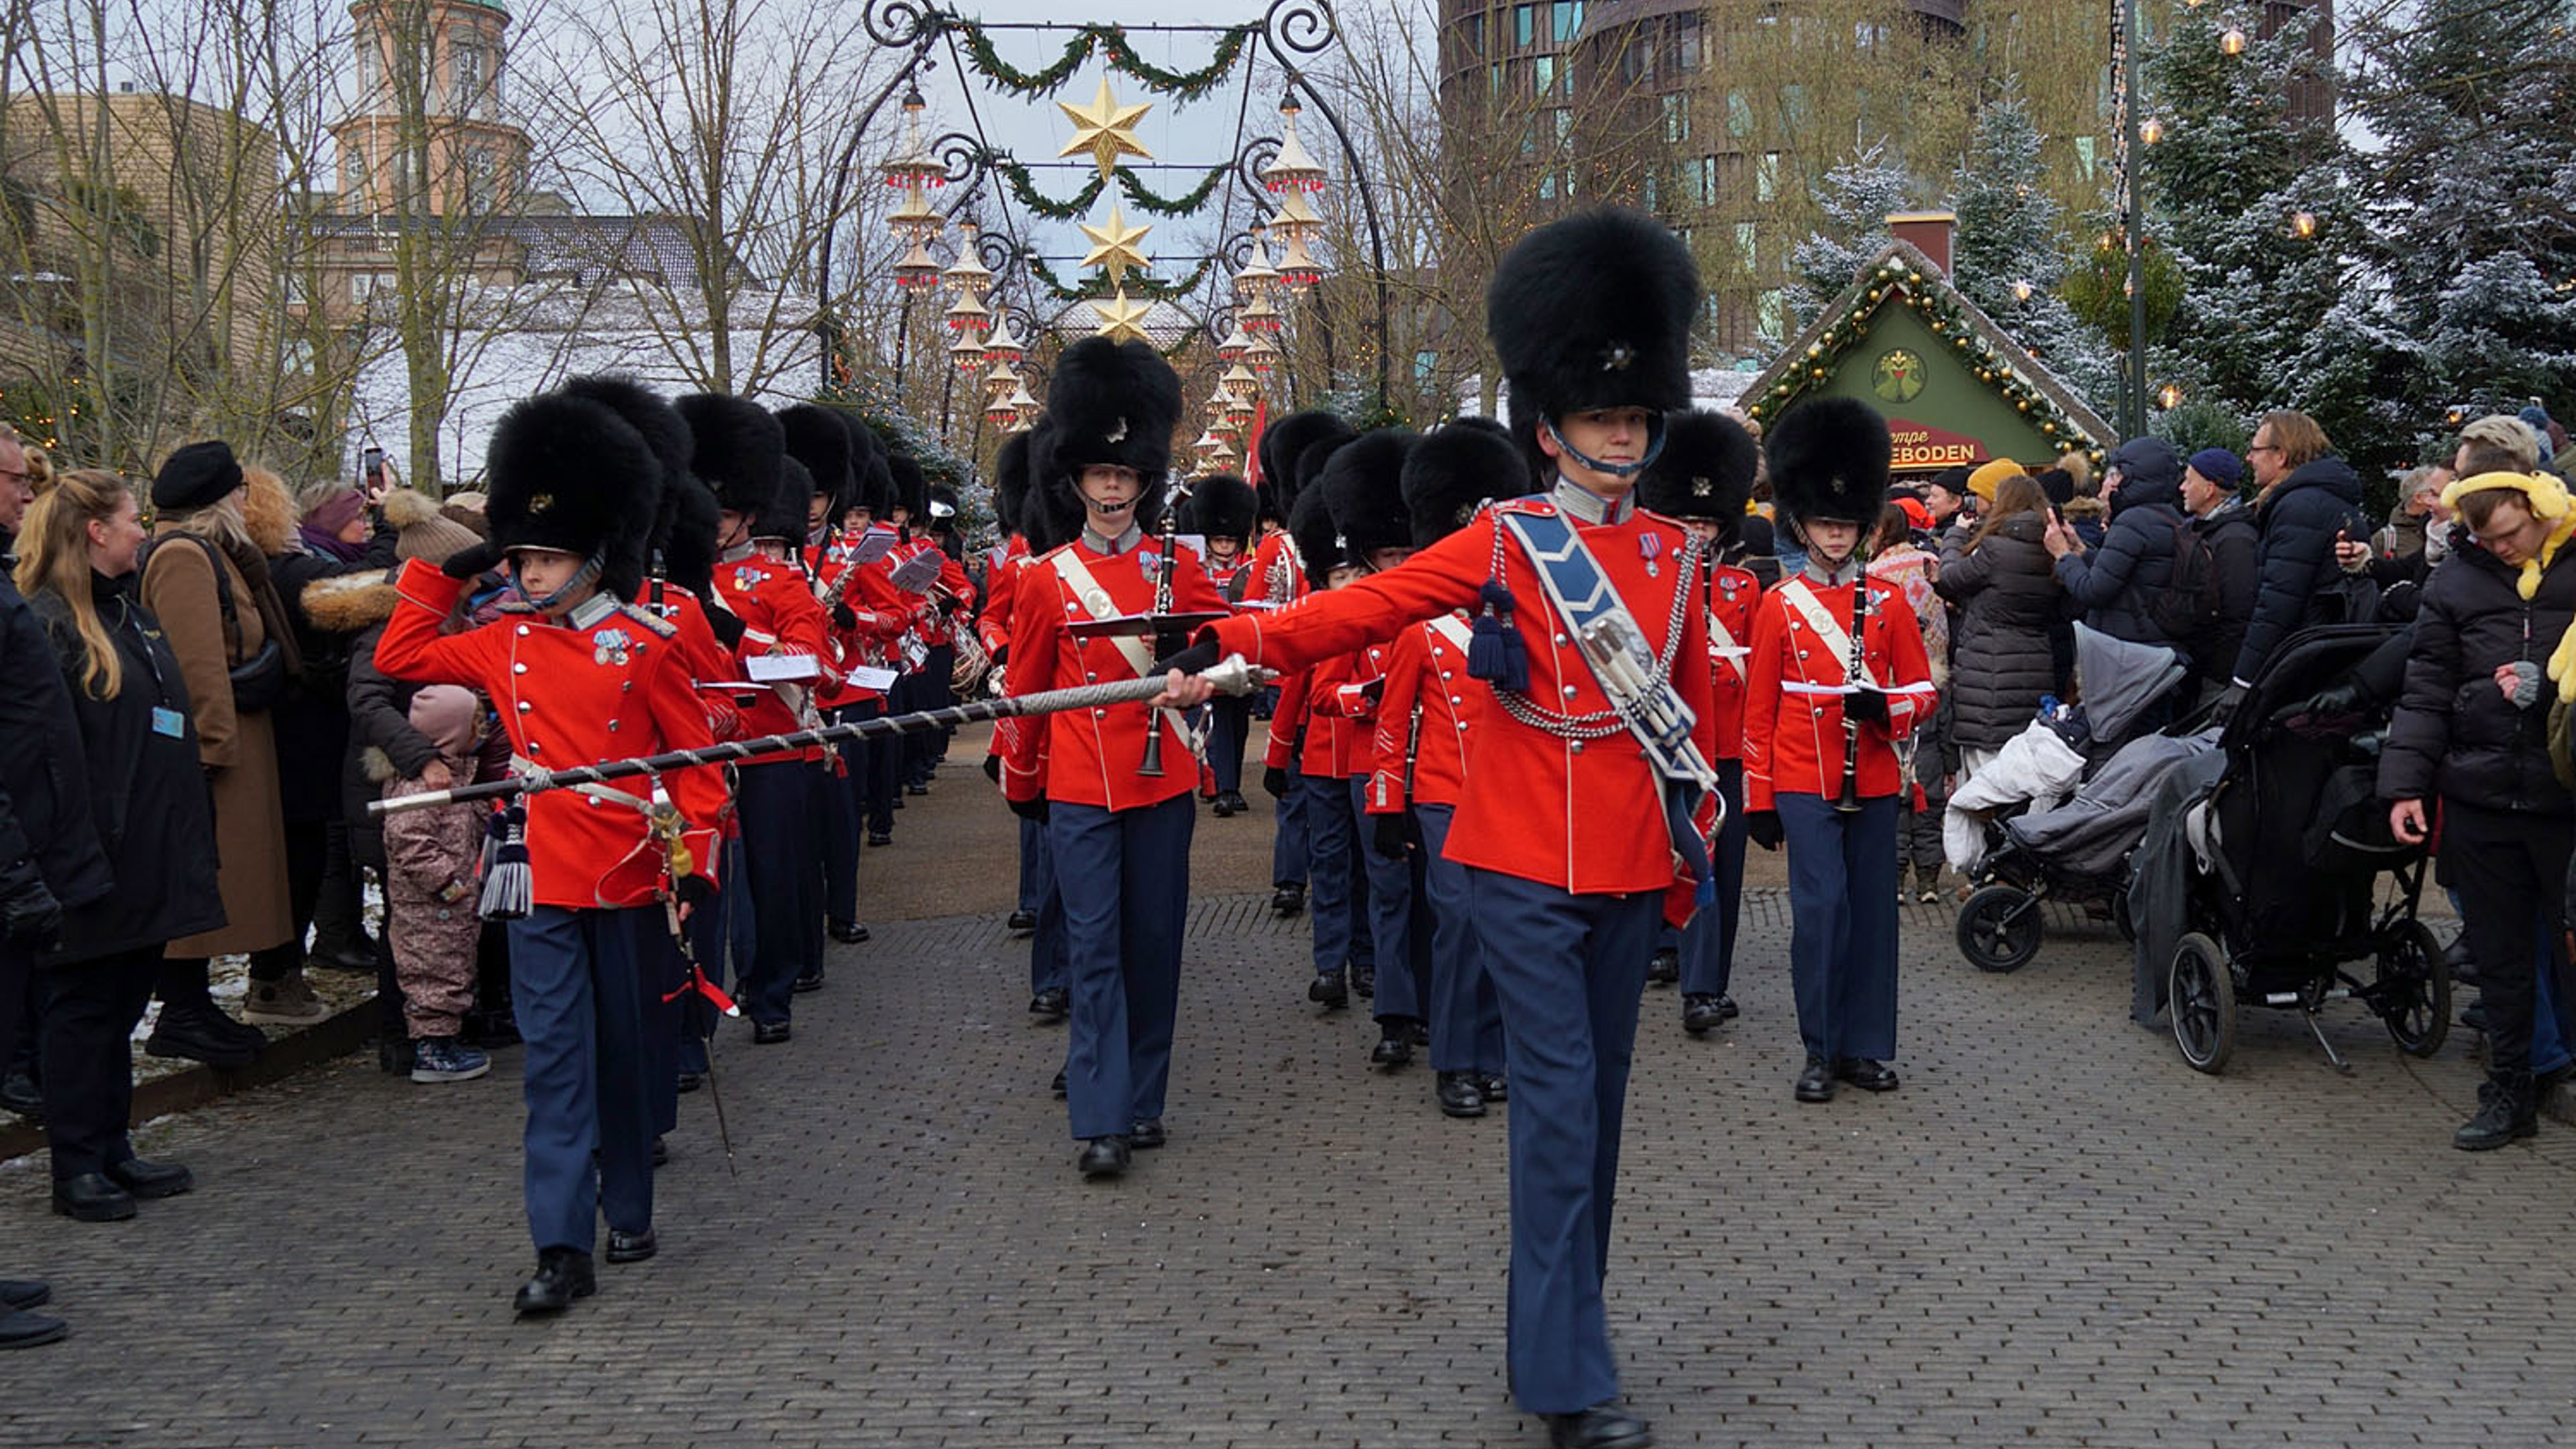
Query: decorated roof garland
[
  {"x": 1903, "y": 274},
  {"x": 1079, "y": 204},
  {"x": 1111, "y": 42},
  {"x": 1100, "y": 286}
]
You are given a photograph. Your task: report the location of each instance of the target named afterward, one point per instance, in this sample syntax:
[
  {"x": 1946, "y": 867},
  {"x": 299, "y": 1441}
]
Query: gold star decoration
[
  {"x": 1104, "y": 130},
  {"x": 1113, "y": 247},
  {"x": 1122, "y": 320}
]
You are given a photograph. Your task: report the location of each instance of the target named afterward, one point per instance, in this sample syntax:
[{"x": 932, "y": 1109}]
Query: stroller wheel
[
  {"x": 1999, "y": 928},
  {"x": 2201, "y": 997},
  {"x": 2413, "y": 991}
]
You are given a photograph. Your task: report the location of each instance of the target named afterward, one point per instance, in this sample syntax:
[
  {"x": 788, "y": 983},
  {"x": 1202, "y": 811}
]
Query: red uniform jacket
[
  {"x": 1001, "y": 583},
  {"x": 1793, "y": 708},
  {"x": 1733, "y": 594},
  {"x": 1276, "y": 575},
  {"x": 573, "y": 694},
  {"x": 1429, "y": 703},
  {"x": 779, "y": 616},
  {"x": 1573, "y": 814},
  {"x": 1343, "y": 692},
  {"x": 952, "y": 579},
  {"x": 700, "y": 650},
  {"x": 873, "y": 624},
  {"x": 1089, "y": 757}
]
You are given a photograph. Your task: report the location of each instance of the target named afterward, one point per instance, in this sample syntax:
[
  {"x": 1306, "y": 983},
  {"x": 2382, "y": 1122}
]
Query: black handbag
[{"x": 259, "y": 682}]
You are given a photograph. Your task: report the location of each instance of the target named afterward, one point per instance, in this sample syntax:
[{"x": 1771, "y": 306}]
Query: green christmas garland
[
  {"x": 1079, "y": 204},
  {"x": 1188, "y": 85},
  {"x": 1137, "y": 286},
  {"x": 1944, "y": 317}
]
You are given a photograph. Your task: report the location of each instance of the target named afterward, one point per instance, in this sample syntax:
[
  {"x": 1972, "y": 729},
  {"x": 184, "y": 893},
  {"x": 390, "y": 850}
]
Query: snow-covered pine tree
[
  {"x": 2010, "y": 251},
  {"x": 2469, "y": 190},
  {"x": 1859, "y": 195}
]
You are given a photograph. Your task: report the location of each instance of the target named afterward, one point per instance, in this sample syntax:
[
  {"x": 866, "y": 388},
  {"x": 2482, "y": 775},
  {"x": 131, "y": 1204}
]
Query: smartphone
[{"x": 375, "y": 467}]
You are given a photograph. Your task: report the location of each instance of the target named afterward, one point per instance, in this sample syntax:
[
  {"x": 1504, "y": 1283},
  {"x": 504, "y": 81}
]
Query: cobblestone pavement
[{"x": 2055, "y": 1234}]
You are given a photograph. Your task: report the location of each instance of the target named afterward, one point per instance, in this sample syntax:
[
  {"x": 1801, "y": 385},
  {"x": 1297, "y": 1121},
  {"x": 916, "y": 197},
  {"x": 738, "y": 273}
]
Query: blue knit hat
[{"x": 2218, "y": 465}]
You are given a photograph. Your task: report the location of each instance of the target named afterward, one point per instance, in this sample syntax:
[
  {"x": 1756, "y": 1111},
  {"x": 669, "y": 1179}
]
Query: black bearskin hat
[
  {"x": 1456, "y": 469},
  {"x": 1010, "y": 482},
  {"x": 567, "y": 473},
  {"x": 689, "y": 543},
  {"x": 1320, "y": 547},
  {"x": 1286, "y": 438},
  {"x": 1109, "y": 403},
  {"x": 786, "y": 515},
  {"x": 736, "y": 449},
  {"x": 1705, "y": 471},
  {"x": 1221, "y": 506},
  {"x": 1268, "y": 503},
  {"x": 1829, "y": 458},
  {"x": 1310, "y": 464},
  {"x": 816, "y": 438},
  {"x": 911, "y": 489},
  {"x": 1593, "y": 311},
  {"x": 667, "y": 434},
  {"x": 1031, "y": 518},
  {"x": 1363, "y": 487},
  {"x": 871, "y": 481},
  {"x": 943, "y": 506}
]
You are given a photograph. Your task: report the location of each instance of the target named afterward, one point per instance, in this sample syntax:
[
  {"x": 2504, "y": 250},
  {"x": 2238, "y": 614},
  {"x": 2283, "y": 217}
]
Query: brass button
[
  {"x": 1560, "y": 641},
  {"x": 524, "y": 706},
  {"x": 1578, "y": 747},
  {"x": 1569, "y": 691}
]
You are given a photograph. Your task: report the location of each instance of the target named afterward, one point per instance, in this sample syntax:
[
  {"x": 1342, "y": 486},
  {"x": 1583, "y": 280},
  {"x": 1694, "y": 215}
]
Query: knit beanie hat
[
  {"x": 422, "y": 531},
  {"x": 196, "y": 476},
  {"x": 334, "y": 512},
  {"x": 2219, "y": 466},
  {"x": 1989, "y": 477},
  {"x": 445, "y": 714}
]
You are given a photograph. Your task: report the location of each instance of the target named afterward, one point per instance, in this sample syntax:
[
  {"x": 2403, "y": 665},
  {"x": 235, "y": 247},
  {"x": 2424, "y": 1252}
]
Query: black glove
[
  {"x": 1275, "y": 780},
  {"x": 993, "y": 768},
  {"x": 1869, "y": 706},
  {"x": 1762, "y": 827},
  {"x": 29, "y": 914},
  {"x": 843, "y": 617},
  {"x": 472, "y": 563},
  {"x": 1031, "y": 809},
  {"x": 696, "y": 890},
  {"x": 1199, "y": 658},
  {"x": 1394, "y": 834},
  {"x": 2227, "y": 705},
  {"x": 726, "y": 627}
]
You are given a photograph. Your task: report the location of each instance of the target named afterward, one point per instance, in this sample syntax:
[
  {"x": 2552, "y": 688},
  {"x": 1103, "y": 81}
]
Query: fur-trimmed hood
[{"x": 349, "y": 603}]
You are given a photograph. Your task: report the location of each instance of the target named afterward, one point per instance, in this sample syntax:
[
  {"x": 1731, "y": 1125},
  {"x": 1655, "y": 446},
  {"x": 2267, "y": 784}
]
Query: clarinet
[
  {"x": 1848, "y": 802},
  {"x": 1152, "y": 763}
]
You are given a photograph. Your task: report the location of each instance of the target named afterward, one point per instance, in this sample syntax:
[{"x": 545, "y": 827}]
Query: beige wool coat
[{"x": 239, "y": 750}]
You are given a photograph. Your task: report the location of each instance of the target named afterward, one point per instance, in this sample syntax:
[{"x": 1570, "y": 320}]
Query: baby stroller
[
  {"x": 2266, "y": 893},
  {"x": 2075, "y": 851}
]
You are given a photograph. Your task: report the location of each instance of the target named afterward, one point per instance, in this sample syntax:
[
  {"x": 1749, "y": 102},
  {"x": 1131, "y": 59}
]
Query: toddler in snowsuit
[{"x": 432, "y": 855}]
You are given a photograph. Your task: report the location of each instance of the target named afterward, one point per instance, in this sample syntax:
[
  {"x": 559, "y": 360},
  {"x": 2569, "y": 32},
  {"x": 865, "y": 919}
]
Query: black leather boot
[
  {"x": 563, "y": 1275},
  {"x": 2507, "y": 1109}
]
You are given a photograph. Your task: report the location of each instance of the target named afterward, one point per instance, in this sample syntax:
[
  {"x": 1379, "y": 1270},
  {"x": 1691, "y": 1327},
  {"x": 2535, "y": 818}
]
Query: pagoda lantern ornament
[
  {"x": 917, "y": 270},
  {"x": 913, "y": 167},
  {"x": 1003, "y": 344},
  {"x": 1292, "y": 169}
]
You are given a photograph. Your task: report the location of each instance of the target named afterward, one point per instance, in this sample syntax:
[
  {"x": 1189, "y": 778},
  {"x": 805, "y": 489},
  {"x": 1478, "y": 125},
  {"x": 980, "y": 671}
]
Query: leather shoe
[
  {"x": 1021, "y": 921},
  {"x": 1664, "y": 967},
  {"x": 1701, "y": 1014},
  {"x": 563, "y": 1275},
  {"x": 1058, "y": 1087},
  {"x": 91, "y": 1198},
  {"x": 916, "y": 788},
  {"x": 1603, "y": 1426},
  {"x": 148, "y": 1180},
  {"x": 1218, "y": 804},
  {"x": 1364, "y": 982},
  {"x": 1459, "y": 1096},
  {"x": 26, "y": 1330},
  {"x": 1865, "y": 1074},
  {"x": 1051, "y": 1004},
  {"x": 1288, "y": 900},
  {"x": 1232, "y": 802},
  {"x": 848, "y": 933},
  {"x": 23, "y": 1293},
  {"x": 1726, "y": 1007},
  {"x": 21, "y": 1095},
  {"x": 1146, "y": 1136},
  {"x": 1392, "y": 1052},
  {"x": 626, "y": 1247},
  {"x": 1495, "y": 1086},
  {"x": 1816, "y": 1083},
  {"x": 1104, "y": 1157},
  {"x": 769, "y": 1033},
  {"x": 809, "y": 981},
  {"x": 341, "y": 956},
  {"x": 661, "y": 1152},
  {"x": 880, "y": 838},
  {"x": 185, "y": 1034},
  {"x": 1329, "y": 990},
  {"x": 689, "y": 1082}
]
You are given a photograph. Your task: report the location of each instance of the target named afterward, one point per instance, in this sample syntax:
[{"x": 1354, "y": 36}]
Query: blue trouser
[
  {"x": 1708, "y": 945},
  {"x": 883, "y": 781},
  {"x": 1842, "y": 938},
  {"x": 1569, "y": 970},
  {"x": 1466, "y": 1018},
  {"x": 2549, "y": 1045},
  {"x": 1124, "y": 879},
  {"x": 845, "y": 787},
  {"x": 1399, "y": 926},
  {"x": 1047, "y": 968},
  {"x": 665, "y": 1019},
  {"x": 1229, "y": 729},
  {"x": 576, "y": 987},
  {"x": 1331, "y": 887},
  {"x": 718, "y": 922},
  {"x": 778, "y": 849},
  {"x": 1289, "y": 849}
]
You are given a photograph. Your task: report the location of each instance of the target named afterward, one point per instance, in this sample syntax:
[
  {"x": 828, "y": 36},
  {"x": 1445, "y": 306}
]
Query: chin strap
[
  {"x": 582, "y": 578},
  {"x": 1654, "y": 448}
]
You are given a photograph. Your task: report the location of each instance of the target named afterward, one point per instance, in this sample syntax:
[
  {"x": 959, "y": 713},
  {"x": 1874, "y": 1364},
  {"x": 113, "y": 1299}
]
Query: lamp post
[{"x": 2133, "y": 401}]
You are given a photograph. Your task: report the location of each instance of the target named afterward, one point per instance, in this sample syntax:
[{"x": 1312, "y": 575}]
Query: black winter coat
[
  {"x": 2235, "y": 555},
  {"x": 2455, "y": 734},
  {"x": 2112, "y": 583},
  {"x": 2300, "y": 584},
  {"x": 44, "y": 793},
  {"x": 1999, "y": 656},
  {"x": 379, "y": 719},
  {"x": 149, "y": 800},
  {"x": 312, "y": 722}
]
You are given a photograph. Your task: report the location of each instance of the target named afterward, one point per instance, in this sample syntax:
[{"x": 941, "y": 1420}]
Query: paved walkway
[{"x": 2056, "y": 1234}]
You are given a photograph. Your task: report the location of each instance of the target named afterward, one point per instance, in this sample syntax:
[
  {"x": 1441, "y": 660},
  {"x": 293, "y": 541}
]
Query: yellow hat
[{"x": 1991, "y": 476}]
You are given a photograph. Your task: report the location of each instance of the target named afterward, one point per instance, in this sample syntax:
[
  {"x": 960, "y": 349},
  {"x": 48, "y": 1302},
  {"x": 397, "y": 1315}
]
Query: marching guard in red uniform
[
  {"x": 577, "y": 677},
  {"x": 1320, "y": 744},
  {"x": 1704, "y": 479},
  {"x": 1835, "y": 686},
  {"x": 1592, "y": 637},
  {"x": 1040, "y": 915},
  {"x": 1278, "y": 580},
  {"x": 1223, "y": 510},
  {"x": 1119, "y": 833}
]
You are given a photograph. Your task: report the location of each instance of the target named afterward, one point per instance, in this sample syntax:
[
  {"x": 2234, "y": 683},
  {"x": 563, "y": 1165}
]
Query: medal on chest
[
  {"x": 611, "y": 646},
  {"x": 1651, "y": 545}
]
